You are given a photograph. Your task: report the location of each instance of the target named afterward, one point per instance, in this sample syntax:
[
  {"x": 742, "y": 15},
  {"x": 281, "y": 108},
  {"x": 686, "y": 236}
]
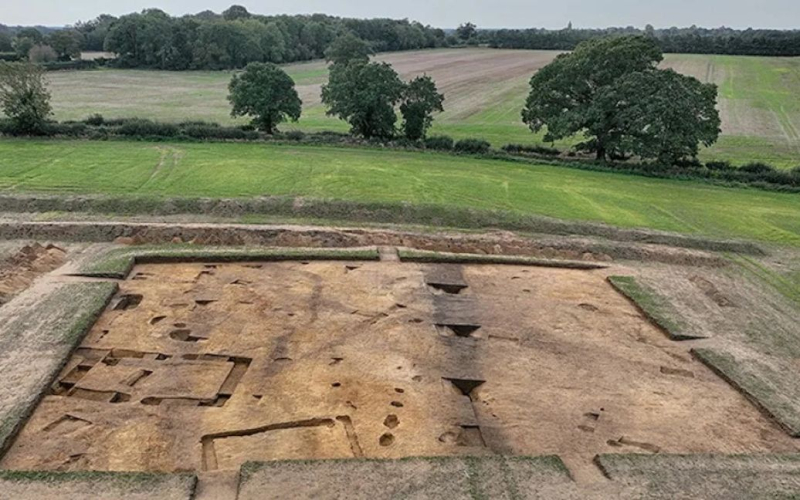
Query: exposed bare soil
[
  {"x": 204, "y": 367},
  {"x": 633, "y": 245},
  {"x": 20, "y": 269}
]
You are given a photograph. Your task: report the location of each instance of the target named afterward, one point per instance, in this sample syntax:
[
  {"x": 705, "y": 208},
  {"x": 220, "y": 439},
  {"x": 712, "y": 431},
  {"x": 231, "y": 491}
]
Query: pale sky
[{"x": 784, "y": 14}]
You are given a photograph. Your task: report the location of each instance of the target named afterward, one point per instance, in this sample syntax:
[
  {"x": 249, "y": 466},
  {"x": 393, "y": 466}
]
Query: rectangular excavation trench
[{"x": 207, "y": 366}]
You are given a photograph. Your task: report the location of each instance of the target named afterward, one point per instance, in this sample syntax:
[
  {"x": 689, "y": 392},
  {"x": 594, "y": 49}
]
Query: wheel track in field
[{"x": 177, "y": 155}]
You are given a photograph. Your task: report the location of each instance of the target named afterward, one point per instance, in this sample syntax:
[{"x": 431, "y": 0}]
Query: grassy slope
[
  {"x": 242, "y": 170},
  {"x": 662, "y": 476},
  {"x": 771, "y": 385},
  {"x": 654, "y": 306},
  {"x": 52, "y": 327},
  {"x": 758, "y": 97}
]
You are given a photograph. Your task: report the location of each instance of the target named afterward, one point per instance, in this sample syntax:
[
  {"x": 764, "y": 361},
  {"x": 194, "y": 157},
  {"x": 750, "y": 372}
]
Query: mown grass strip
[
  {"x": 654, "y": 306},
  {"x": 53, "y": 326},
  {"x": 662, "y": 476},
  {"x": 772, "y": 388},
  {"x": 783, "y": 285},
  {"x": 118, "y": 262},
  {"x": 123, "y": 478},
  {"x": 86, "y": 484},
  {"x": 422, "y": 256},
  {"x": 476, "y": 478}
]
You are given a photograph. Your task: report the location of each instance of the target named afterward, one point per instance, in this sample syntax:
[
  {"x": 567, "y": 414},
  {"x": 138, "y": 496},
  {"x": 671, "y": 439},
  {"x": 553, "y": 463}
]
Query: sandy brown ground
[
  {"x": 18, "y": 270},
  {"x": 204, "y": 367}
]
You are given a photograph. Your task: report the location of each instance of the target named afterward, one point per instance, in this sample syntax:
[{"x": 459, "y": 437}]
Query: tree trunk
[{"x": 601, "y": 153}]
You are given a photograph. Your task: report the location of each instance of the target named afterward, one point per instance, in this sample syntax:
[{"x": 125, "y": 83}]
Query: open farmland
[
  {"x": 363, "y": 175},
  {"x": 485, "y": 91},
  {"x": 758, "y": 103},
  {"x": 197, "y": 308}
]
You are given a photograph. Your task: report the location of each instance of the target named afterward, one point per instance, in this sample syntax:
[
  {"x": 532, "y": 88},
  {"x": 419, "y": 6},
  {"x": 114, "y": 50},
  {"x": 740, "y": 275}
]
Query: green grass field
[
  {"x": 243, "y": 170},
  {"x": 485, "y": 90}
]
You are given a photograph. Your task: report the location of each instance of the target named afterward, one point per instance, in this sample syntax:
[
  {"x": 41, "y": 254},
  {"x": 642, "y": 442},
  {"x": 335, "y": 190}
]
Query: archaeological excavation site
[{"x": 377, "y": 364}]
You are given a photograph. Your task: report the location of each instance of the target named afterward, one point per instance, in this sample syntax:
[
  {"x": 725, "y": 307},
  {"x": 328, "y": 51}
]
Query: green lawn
[
  {"x": 485, "y": 90},
  {"x": 242, "y": 170}
]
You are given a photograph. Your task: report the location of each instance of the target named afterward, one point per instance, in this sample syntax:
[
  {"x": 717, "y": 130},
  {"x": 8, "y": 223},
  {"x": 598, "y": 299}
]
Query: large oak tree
[
  {"x": 364, "y": 95},
  {"x": 612, "y": 92},
  {"x": 266, "y": 93},
  {"x": 421, "y": 99}
]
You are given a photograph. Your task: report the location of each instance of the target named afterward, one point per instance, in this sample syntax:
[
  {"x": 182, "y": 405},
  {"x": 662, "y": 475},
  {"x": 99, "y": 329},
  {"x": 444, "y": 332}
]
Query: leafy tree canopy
[
  {"x": 348, "y": 48},
  {"x": 691, "y": 40},
  {"x": 24, "y": 97},
  {"x": 206, "y": 40},
  {"x": 235, "y": 12},
  {"x": 266, "y": 93},
  {"x": 611, "y": 91},
  {"x": 421, "y": 99},
  {"x": 25, "y": 40},
  {"x": 31, "y": 33},
  {"x": 364, "y": 95},
  {"x": 466, "y": 31},
  {"x": 5, "y": 42},
  {"x": 67, "y": 43},
  {"x": 42, "y": 54},
  {"x": 658, "y": 114}
]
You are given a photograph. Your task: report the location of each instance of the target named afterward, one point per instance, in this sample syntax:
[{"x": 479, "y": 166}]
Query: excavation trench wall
[
  {"x": 384, "y": 213},
  {"x": 320, "y": 237}
]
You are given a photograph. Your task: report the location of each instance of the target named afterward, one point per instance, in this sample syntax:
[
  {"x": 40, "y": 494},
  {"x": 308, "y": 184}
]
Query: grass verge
[
  {"x": 772, "y": 388},
  {"x": 654, "y": 306},
  {"x": 122, "y": 478},
  {"x": 788, "y": 286},
  {"x": 344, "y": 211},
  {"x": 53, "y": 327},
  {"x": 720, "y": 477},
  {"x": 118, "y": 262},
  {"x": 483, "y": 477},
  {"x": 410, "y": 255},
  {"x": 91, "y": 484}
]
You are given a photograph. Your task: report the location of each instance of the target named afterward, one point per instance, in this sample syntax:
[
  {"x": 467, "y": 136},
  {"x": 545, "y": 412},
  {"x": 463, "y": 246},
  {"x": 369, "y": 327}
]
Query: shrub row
[
  {"x": 440, "y": 143},
  {"x": 9, "y": 56},
  {"x": 69, "y": 65},
  {"x": 472, "y": 146},
  {"x": 536, "y": 150},
  {"x": 758, "y": 175},
  {"x": 97, "y": 127}
]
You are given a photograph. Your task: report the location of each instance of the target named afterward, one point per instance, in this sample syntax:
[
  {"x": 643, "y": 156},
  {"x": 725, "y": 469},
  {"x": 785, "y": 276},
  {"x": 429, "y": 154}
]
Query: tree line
[
  {"x": 154, "y": 39},
  {"x": 363, "y": 93},
  {"x": 692, "y": 40},
  {"x": 610, "y": 91}
]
